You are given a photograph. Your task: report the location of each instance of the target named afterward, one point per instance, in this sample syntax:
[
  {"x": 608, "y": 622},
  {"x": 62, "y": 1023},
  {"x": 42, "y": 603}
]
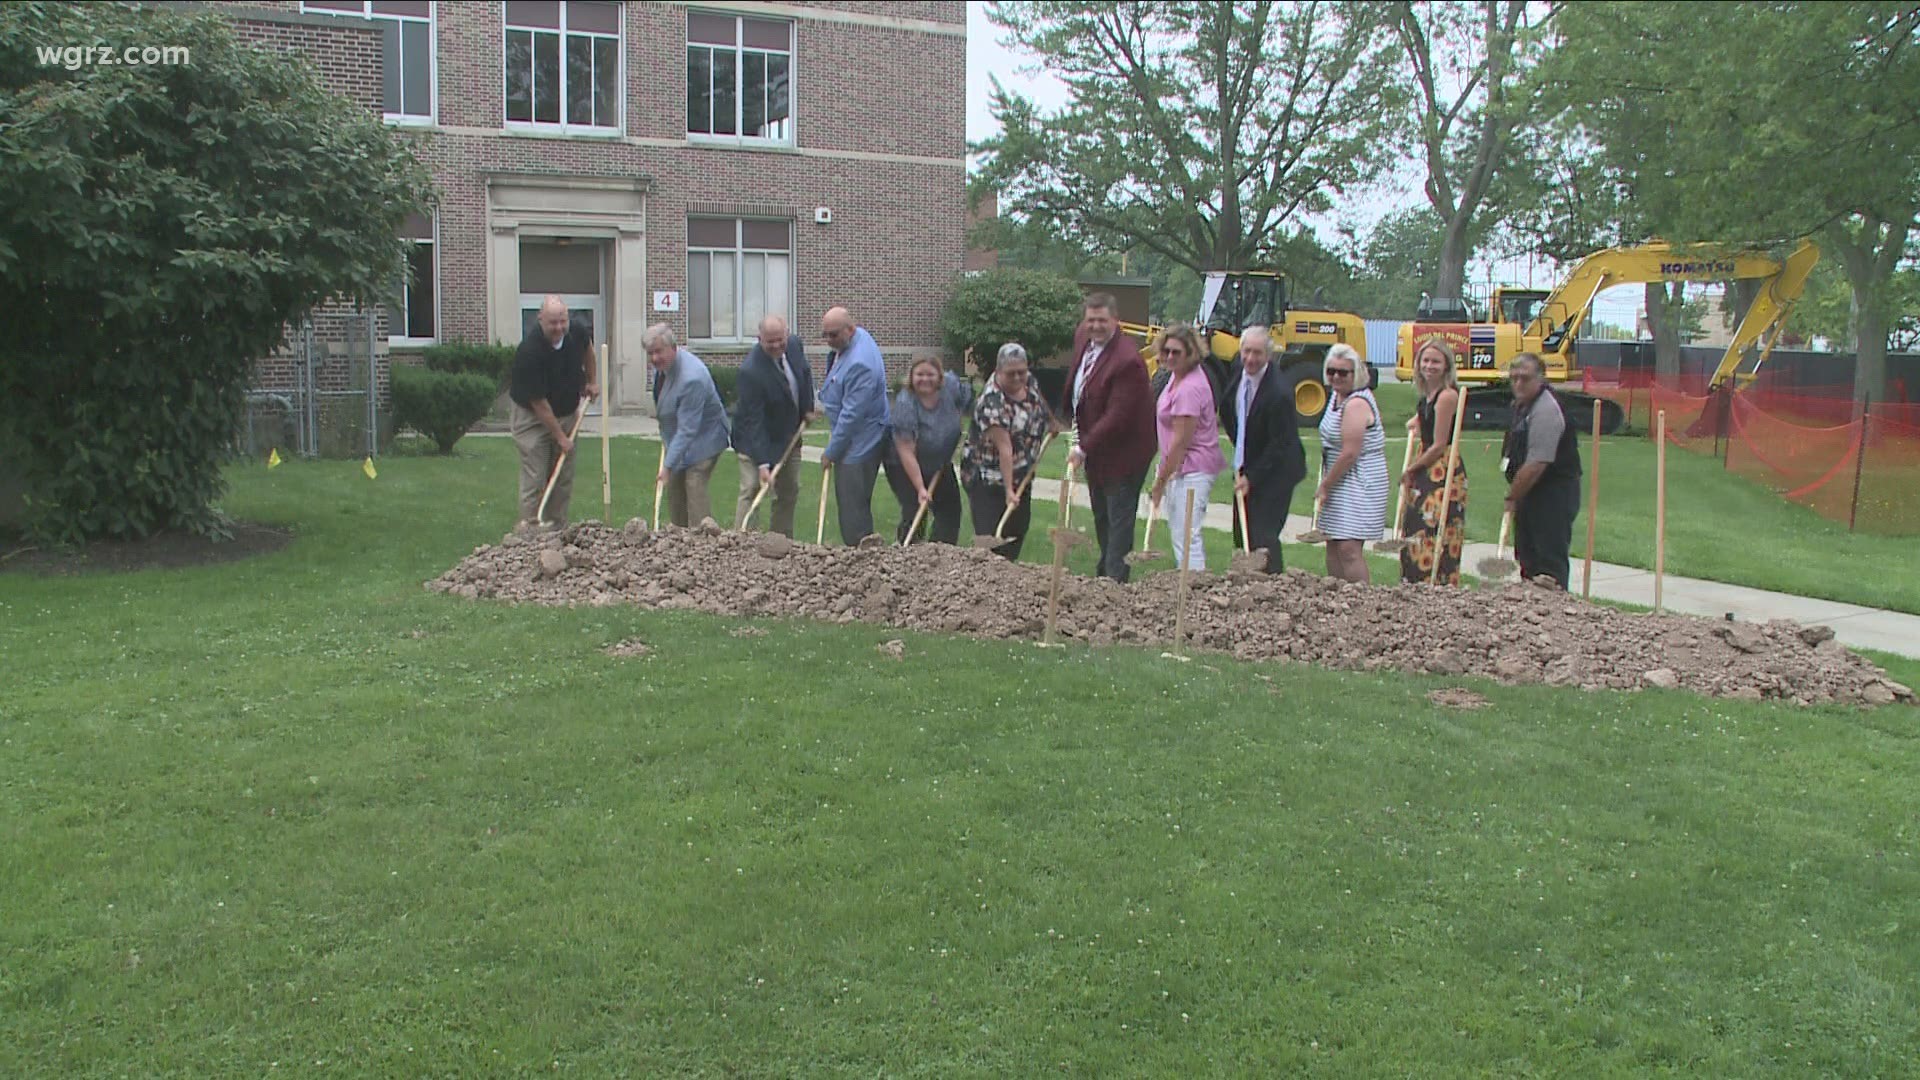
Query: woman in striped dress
[{"x": 1353, "y": 451}]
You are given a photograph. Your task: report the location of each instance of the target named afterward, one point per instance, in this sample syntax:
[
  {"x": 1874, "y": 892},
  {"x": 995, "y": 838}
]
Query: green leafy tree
[
  {"x": 1196, "y": 130},
  {"x": 1760, "y": 123},
  {"x": 1467, "y": 63},
  {"x": 1040, "y": 310},
  {"x": 160, "y": 227}
]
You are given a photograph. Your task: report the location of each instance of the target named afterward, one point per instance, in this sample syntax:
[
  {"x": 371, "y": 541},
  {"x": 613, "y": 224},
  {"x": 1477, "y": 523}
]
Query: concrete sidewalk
[{"x": 1857, "y": 626}]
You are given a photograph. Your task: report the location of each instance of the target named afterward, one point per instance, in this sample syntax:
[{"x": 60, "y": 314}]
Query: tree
[
  {"x": 1196, "y": 130},
  {"x": 1467, "y": 64},
  {"x": 1040, "y": 310},
  {"x": 1773, "y": 121},
  {"x": 161, "y": 227}
]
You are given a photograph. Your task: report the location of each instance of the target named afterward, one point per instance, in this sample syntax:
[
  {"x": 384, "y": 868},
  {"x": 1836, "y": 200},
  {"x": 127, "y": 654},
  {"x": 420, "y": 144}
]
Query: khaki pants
[
  {"x": 785, "y": 494},
  {"x": 537, "y": 453},
  {"x": 687, "y": 501}
]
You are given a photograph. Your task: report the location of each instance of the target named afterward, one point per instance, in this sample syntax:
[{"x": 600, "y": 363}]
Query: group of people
[{"x": 1117, "y": 421}]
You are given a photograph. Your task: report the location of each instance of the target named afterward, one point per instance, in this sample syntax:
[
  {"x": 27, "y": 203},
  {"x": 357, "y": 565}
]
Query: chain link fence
[{"x": 325, "y": 392}]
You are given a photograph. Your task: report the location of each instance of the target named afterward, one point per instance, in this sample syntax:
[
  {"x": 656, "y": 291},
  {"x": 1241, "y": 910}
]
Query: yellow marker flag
[
  {"x": 367, "y": 467},
  {"x": 273, "y": 458}
]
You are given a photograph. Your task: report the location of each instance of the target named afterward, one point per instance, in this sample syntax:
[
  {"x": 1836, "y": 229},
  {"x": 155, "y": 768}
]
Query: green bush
[
  {"x": 1037, "y": 309},
  {"x": 471, "y": 358},
  {"x": 726, "y": 379},
  {"x": 162, "y": 226},
  {"x": 441, "y": 405}
]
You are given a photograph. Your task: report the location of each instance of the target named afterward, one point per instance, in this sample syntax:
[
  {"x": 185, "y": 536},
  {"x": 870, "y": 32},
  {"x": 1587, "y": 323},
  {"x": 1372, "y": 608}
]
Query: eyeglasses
[
  {"x": 1521, "y": 377},
  {"x": 1332, "y": 371}
]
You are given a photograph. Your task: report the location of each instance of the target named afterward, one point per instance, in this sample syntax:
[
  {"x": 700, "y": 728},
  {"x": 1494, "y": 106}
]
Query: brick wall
[
  {"x": 880, "y": 121},
  {"x": 345, "y": 51}
]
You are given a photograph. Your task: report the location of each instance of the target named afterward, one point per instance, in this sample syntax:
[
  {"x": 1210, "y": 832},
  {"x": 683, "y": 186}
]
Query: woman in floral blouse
[{"x": 1010, "y": 423}]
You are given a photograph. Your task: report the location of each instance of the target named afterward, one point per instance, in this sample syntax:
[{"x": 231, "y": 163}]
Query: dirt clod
[
  {"x": 1520, "y": 633},
  {"x": 632, "y": 647},
  {"x": 1454, "y": 697},
  {"x": 893, "y": 650}
]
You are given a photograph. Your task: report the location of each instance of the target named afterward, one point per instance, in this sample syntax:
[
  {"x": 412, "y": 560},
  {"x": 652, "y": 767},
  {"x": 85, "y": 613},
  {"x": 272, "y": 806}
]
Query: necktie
[
  {"x": 793, "y": 389},
  {"x": 1240, "y": 444}
]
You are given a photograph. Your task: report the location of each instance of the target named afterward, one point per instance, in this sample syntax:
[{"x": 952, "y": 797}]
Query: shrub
[
  {"x": 472, "y": 358},
  {"x": 161, "y": 228},
  {"x": 1037, "y": 309},
  {"x": 726, "y": 379},
  {"x": 441, "y": 405}
]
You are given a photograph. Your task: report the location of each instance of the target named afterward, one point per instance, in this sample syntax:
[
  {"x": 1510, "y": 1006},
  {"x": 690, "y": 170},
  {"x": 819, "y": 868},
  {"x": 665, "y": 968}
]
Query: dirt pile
[{"x": 1518, "y": 634}]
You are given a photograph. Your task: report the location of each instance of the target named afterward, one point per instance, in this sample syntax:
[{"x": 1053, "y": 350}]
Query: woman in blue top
[{"x": 926, "y": 422}]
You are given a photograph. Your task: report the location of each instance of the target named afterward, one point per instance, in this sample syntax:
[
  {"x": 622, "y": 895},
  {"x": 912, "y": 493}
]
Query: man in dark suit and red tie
[{"x": 1110, "y": 405}]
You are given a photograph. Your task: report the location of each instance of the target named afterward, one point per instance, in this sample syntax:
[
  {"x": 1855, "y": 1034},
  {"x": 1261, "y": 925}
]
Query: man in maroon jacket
[{"x": 1110, "y": 404}]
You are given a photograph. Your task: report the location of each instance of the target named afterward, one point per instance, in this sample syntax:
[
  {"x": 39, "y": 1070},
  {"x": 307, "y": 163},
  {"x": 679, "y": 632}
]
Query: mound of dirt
[{"x": 1518, "y": 634}]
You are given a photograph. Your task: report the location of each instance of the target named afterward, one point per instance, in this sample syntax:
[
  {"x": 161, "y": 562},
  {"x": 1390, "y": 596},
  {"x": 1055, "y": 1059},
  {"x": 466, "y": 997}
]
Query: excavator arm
[
  {"x": 1767, "y": 315},
  {"x": 1559, "y": 317}
]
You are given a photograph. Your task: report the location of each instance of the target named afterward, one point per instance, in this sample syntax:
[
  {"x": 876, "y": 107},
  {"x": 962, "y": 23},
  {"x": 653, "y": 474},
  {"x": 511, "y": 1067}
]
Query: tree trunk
[
  {"x": 1663, "y": 319},
  {"x": 1869, "y": 323},
  {"x": 1452, "y": 281}
]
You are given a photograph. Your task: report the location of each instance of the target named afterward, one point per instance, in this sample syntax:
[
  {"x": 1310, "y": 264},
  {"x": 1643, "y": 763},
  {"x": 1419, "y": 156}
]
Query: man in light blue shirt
[
  {"x": 855, "y": 401},
  {"x": 693, "y": 425}
]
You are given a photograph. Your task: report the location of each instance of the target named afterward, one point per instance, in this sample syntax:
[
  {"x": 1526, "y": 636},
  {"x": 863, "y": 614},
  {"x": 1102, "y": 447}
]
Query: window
[
  {"x": 413, "y": 318},
  {"x": 738, "y": 270},
  {"x": 407, "y": 86},
  {"x": 739, "y": 79},
  {"x": 563, "y": 64}
]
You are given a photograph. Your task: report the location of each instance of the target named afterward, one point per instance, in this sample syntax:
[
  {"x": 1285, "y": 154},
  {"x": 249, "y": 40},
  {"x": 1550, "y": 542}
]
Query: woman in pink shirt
[{"x": 1189, "y": 429}]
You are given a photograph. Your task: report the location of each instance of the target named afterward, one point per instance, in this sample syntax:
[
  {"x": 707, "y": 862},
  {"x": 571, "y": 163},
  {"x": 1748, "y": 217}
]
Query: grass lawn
[
  {"x": 298, "y": 814},
  {"x": 1720, "y": 526}
]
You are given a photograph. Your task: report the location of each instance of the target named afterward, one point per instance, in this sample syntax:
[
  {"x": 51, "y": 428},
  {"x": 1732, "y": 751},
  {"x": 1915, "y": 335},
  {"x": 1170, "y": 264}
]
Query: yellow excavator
[
  {"x": 1233, "y": 300},
  {"x": 1546, "y": 323}
]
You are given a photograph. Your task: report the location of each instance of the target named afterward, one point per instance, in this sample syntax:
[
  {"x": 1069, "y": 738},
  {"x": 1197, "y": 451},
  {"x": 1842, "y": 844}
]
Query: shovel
[
  {"x": 1398, "y": 542},
  {"x": 1446, "y": 492},
  {"x": 1246, "y": 560},
  {"x": 1313, "y": 535},
  {"x": 826, "y": 481},
  {"x": 1063, "y": 540},
  {"x": 1499, "y": 565},
  {"x": 775, "y": 475},
  {"x": 1180, "y": 605},
  {"x": 540, "y": 515},
  {"x": 921, "y": 514},
  {"x": 1020, "y": 492},
  {"x": 659, "y": 486},
  {"x": 1146, "y": 554}
]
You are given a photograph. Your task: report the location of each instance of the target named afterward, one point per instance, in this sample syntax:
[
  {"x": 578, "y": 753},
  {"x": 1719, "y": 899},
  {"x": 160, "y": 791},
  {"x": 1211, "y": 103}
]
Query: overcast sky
[{"x": 987, "y": 58}]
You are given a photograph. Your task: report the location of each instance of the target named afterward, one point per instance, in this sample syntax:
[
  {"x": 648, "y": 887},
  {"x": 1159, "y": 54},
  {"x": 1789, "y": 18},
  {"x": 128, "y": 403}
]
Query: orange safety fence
[{"x": 1813, "y": 444}]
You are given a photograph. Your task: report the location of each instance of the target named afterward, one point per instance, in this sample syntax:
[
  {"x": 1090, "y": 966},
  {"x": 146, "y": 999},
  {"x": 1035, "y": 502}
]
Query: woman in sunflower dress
[{"x": 1439, "y": 386}]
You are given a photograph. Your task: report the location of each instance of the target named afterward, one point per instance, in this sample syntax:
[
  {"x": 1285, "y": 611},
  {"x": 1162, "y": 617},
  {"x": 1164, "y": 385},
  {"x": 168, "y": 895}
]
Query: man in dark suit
[
  {"x": 775, "y": 391},
  {"x": 1110, "y": 404},
  {"x": 1257, "y": 413}
]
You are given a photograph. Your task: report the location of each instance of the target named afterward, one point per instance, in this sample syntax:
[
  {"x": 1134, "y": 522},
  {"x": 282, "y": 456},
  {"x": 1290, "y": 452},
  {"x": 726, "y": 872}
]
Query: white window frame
[
  {"x": 564, "y": 127},
  {"x": 402, "y": 339},
  {"x": 432, "y": 22},
  {"x": 745, "y": 329},
  {"x": 740, "y": 77}
]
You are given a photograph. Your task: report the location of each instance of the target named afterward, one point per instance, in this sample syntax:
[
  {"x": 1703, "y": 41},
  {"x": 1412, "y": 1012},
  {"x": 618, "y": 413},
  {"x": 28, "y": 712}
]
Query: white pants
[{"x": 1188, "y": 550}]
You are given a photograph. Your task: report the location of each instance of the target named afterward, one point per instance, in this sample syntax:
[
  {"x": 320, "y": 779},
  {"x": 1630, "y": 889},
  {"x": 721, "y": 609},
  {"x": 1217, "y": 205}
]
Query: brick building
[{"x": 693, "y": 164}]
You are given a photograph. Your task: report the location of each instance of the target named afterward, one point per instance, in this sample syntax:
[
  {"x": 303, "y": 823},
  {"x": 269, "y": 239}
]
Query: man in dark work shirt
[{"x": 552, "y": 374}]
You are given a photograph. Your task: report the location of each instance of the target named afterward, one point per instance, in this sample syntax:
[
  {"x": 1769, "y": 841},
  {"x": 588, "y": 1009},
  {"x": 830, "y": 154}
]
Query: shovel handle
[
  {"x": 1246, "y": 535},
  {"x": 540, "y": 515},
  {"x": 826, "y": 481},
  {"x": 999, "y": 531},
  {"x": 777, "y": 466},
  {"x": 921, "y": 514}
]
